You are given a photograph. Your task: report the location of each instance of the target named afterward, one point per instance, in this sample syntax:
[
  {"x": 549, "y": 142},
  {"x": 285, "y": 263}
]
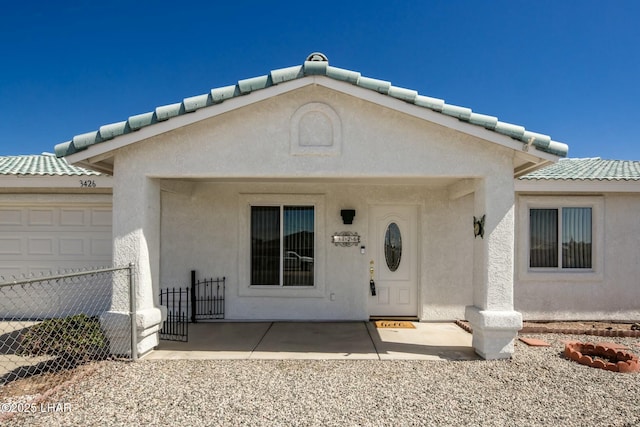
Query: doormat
[{"x": 394, "y": 324}]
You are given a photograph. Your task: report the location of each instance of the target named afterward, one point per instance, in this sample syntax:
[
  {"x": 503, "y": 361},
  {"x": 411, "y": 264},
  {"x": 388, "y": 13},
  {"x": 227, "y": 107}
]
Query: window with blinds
[
  {"x": 560, "y": 238},
  {"x": 282, "y": 245}
]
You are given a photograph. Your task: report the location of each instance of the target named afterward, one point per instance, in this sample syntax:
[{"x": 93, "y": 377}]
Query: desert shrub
[{"x": 79, "y": 337}]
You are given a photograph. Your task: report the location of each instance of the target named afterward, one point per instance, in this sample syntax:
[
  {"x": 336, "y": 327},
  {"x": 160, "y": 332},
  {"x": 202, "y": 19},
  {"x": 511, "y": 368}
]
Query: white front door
[{"x": 393, "y": 247}]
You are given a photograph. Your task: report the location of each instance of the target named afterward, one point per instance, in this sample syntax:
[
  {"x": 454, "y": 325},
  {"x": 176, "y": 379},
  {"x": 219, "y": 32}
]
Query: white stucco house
[
  {"x": 578, "y": 241},
  {"x": 231, "y": 180},
  {"x": 322, "y": 194},
  {"x": 56, "y": 217}
]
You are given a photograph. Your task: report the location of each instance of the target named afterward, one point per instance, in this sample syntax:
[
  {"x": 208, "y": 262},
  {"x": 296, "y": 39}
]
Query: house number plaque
[{"x": 345, "y": 238}]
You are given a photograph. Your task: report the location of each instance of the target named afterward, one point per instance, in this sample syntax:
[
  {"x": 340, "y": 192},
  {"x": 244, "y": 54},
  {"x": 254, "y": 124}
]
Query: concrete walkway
[{"x": 319, "y": 340}]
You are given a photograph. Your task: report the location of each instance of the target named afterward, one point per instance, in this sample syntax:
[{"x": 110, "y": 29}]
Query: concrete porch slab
[
  {"x": 214, "y": 341},
  {"x": 428, "y": 341},
  {"x": 320, "y": 341},
  {"x": 312, "y": 340}
]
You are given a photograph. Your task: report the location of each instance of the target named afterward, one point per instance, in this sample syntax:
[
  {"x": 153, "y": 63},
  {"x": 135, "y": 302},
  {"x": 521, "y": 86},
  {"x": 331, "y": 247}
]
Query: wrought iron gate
[
  {"x": 207, "y": 298},
  {"x": 203, "y": 300},
  {"x": 175, "y": 328}
]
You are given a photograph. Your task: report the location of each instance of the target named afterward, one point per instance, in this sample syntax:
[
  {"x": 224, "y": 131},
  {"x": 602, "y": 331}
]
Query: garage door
[{"x": 49, "y": 238}]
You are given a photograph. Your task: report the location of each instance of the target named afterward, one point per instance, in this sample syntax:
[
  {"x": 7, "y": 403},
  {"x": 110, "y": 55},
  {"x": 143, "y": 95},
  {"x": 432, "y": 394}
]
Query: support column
[
  {"x": 495, "y": 323},
  {"x": 136, "y": 239}
]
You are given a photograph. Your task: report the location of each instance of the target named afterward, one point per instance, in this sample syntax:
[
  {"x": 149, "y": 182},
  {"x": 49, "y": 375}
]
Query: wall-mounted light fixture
[{"x": 347, "y": 215}]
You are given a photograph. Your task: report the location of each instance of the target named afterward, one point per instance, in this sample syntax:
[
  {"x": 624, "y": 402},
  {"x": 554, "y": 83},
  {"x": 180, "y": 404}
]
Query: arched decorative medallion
[
  {"x": 316, "y": 131},
  {"x": 393, "y": 246}
]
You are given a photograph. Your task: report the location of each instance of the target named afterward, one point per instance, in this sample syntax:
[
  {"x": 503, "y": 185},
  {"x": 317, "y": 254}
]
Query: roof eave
[
  {"x": 438, "y": 118},
  {"x": 94, "y": 156},
  {"x": 87, "y": 183},
  {"x": 576, "y": 186}
]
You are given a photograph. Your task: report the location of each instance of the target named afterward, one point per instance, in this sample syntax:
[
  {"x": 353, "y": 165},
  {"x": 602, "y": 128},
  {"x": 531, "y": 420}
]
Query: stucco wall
[
  {"x": 611, "y": 291},
  {"x": 255, "y": 141},
  {"x": 201, "y": 227},
  {"x": 363, "y": 154}
]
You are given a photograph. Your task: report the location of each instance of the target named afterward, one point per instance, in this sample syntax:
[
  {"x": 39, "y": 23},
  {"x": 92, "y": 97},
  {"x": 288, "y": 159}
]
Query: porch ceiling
[{"x": 429, "y": 182}]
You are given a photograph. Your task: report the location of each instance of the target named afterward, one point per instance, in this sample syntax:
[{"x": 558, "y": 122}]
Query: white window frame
[
  {"x": 526, "y": 203},
  {"x": 244, "y": 256},
  {"x": 281, "y": 263}
]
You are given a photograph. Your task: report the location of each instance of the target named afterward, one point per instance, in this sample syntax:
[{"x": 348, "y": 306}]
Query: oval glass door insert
[{"x": 393, "y": 246}]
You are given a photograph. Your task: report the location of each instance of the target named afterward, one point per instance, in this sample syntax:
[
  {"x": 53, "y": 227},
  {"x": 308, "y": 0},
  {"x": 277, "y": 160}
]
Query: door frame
[{"x": 418, "y": 250}]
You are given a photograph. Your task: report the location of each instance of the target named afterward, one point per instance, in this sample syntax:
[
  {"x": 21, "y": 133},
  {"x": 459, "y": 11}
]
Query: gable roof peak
[
  {"x": 316, "y": 64},
  {"x": 317, "y": 57}
]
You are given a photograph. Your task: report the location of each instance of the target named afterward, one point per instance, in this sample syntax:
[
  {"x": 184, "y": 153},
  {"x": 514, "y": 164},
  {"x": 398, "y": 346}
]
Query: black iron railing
[
  {"x": 203, "y": 300},
  {"x": 175, "y": 328},
  {"x": 207, "y": 298}
]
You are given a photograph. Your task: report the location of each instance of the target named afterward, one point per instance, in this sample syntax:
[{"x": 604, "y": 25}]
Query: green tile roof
[
  {"x": 44, "y": 164},
  {"x": 588, "y": 169},
  {"x": 315, "y": 65}
]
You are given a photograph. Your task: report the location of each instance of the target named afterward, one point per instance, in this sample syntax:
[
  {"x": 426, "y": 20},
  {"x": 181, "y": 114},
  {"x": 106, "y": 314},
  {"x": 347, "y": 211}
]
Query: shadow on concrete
[{"x": 319, "y": 340}]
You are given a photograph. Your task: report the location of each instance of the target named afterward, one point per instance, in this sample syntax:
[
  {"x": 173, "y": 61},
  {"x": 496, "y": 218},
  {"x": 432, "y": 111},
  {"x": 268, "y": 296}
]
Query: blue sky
[{"x": 564, "y": 68}]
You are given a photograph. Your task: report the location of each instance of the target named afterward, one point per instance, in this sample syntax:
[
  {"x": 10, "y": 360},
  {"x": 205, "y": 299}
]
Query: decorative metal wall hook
[{"x": 478, "y": 226}]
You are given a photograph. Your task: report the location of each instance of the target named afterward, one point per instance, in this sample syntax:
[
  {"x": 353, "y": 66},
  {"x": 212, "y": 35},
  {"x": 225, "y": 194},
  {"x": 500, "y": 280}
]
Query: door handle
[{"x": 372, "y": 284}]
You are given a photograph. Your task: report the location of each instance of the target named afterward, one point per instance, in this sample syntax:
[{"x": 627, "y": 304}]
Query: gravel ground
[{"x": 537, "y": 387}]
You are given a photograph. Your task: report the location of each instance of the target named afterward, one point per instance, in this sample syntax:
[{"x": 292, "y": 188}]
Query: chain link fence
[{"x": 54, "y": 323}]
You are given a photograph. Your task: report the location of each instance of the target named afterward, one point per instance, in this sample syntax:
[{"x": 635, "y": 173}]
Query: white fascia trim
[
  {"x": 575, "y": 186},
  {"x": 263, "y": 94},
  {"x": 88, "y": 182},
  {"x": 432, "y": 116},
  {"x": 185, "y": 120}
]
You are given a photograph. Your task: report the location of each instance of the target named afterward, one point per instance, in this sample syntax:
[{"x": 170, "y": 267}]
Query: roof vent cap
[{"x": 317, "y": 57}]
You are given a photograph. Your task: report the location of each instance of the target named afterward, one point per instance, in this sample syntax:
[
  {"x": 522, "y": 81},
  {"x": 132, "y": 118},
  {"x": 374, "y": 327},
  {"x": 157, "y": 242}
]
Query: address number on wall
[
  {"x": 345, "y": 238},
  {"x": 87, "y": 183}
]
